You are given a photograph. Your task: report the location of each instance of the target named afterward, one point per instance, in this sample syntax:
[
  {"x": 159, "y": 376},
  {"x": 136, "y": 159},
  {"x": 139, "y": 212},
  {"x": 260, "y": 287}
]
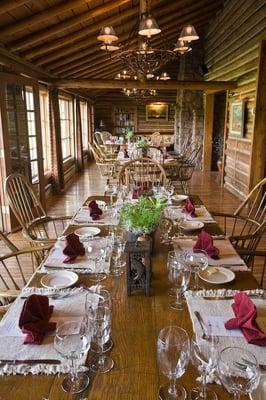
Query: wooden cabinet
[{"x": 124, "y": 119}]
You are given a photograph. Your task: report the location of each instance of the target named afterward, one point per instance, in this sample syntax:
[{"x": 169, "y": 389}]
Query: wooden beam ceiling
[
  {"x": 167, "y": 85},
  {"x": 8, "y": 5},
  {"x": 70, "y": 22}
]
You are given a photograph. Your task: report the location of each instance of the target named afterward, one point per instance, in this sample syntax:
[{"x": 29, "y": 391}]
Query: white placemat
[
  {"x": 82, "y": 264},
  {"x": 228, "y": 256},
  {"x": 83, "y": 217},
  {"x": 222, "y": 308},
  {"x": 11, "y": 339},
  {"x": 202, "y": 213}
]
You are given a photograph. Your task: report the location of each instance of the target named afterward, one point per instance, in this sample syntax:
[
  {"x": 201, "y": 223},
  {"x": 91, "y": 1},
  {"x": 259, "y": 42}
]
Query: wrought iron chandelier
[{"x": 141, "y": 53}]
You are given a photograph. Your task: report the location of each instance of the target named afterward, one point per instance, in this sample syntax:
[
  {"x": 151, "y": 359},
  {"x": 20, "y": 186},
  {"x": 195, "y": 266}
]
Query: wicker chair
[
  {"x": 38, "y": 227},
  {"x": 107, "y": 166},
  {"x": 142, "y": 173},
  {"x": 155, "y": 139}
]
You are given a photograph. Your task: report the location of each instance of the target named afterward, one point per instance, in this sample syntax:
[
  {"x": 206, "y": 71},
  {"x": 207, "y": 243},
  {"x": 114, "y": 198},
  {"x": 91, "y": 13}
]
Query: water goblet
[
  {"x": 100, "y": 320},
  {"x": 171, "y": 260},
  {"x": 94, "y": 299},
  {"x": 238, "y": 370},
  {"x": 118, "y": 248},
  {"x": 169, "y": 191},
  {"x": 166, "y": 226},
  {"x": 179, "y": 276},
  {"x": 198, "y": 261},
  {"x": 173, "y": 350},
  {"x": 97, "y": 252},
  {"x": 72, "y": 341},
  {"x": 204, "y": 356}
]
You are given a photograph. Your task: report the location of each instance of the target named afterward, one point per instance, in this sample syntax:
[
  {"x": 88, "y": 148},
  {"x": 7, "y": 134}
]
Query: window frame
[{"x": 68, "y": 121}]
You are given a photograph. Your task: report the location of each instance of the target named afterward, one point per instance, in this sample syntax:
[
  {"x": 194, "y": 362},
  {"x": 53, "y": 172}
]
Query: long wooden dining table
[{"x": 136, "y": 322}]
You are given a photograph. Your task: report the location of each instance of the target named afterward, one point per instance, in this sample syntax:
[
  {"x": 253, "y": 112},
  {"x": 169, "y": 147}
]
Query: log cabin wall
[
  {"x": 104, "y": 112},
  {"x": 232, "y": 53}
]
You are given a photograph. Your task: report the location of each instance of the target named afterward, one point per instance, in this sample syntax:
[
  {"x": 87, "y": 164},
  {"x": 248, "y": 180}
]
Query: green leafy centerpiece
[{"x": 142, "y": 217}]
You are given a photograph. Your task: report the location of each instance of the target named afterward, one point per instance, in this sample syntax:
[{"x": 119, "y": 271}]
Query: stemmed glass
[
  {"x": 238, "y": 370},
  {"x": 166, "y": 227},
  {"x": 118, "y": 248},
  {"x": 204, "y": 355},
  {"x": 72, "y": 341},
  {"x": 169, "y": 191},
  {"x": 99, "y": 252},
  {"x": 179, "y": 276},
  {"x": 94, "y": 299},
  {"x": 100, "y": 321},
  {"x": 173, "y": 350},
  {"x": 198, "y": 261}
]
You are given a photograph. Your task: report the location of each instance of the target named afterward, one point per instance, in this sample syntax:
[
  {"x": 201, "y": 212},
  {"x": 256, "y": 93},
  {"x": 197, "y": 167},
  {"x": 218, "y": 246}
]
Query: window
[
  {"x": 32, "y": 134},
  {"x": 84, "y": 124},
  {"x": 67, "y": 127},
  {"x": 45, "y": 126}
]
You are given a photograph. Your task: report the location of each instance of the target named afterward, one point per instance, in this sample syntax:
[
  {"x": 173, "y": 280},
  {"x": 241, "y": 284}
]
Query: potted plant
[
  {"x": 129, "y": 135},
  {"x": 142, "y": 143},
  {"x": 142, "y": 217}
]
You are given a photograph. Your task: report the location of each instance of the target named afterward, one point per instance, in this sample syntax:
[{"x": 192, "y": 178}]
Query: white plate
[
  {"x": 59, "y": 279},
  {"x": 260, "y": 393},
  {"x": 217, "y": 275},
  {"x": 179, "y": 197},
  {"x": 191, "y": 225},
  {"x": 87, "y": 231}
]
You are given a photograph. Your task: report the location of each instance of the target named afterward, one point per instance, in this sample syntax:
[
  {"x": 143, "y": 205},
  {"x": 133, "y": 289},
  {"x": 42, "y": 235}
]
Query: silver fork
[{"x": 205, "y": 335}]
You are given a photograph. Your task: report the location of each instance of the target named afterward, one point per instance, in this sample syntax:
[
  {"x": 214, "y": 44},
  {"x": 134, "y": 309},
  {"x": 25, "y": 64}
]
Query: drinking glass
[
  {"x": 72, "y": 341},
  {"x": 94, "y": 299},
  {"x": 179, "y": 276},
  {"x": 204, "y": 356},
  {"x": 198, "y": 261},
  {"x": 169, "y": 191},
  {"x": 118, "y": 248},
  {"x": 100, "y": 321},
  {"x": 98, "y": 251},
  {"x": 238, "y": 370},
  {"x": 166, "y": 227},
  {"x": 173, "y": 350},
  {"x": 171, "y": 260}
]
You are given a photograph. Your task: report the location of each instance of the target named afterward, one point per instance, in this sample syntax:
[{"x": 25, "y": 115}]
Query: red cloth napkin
[
  {"x": 245, "y": 312},
  {"x": 34, "y": 319},
  {"x": 189, "y": 207},
  {"x": 73, "y": 248},
  {"x": 205, "y": 242},
  {"x": 95, "y": 211},
  {"x": 126, "y": 154},
  {"x": 135, "y": 194}
]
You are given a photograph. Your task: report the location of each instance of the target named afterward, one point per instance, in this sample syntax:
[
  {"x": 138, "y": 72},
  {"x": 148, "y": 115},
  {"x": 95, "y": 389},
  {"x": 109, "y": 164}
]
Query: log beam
[
  {"x": 7, "y": 5},
  {"x": 168, "y": 85}
]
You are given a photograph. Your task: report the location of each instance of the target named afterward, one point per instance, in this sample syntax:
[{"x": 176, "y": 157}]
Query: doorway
[{"x": 218, "y": 130}]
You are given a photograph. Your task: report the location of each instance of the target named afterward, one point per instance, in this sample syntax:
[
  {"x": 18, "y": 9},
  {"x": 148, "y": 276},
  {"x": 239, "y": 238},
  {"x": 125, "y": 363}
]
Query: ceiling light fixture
[{"x": 144, "y": 58}]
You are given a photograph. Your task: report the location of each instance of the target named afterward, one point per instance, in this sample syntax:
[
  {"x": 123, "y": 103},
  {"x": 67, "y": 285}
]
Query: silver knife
[{"x": 31, "y": 362}]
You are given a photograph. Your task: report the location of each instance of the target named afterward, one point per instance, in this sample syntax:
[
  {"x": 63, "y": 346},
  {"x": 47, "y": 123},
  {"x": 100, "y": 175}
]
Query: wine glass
[
  {"x": 94, "y": 299},
  {"x": 179, "y": 276},
  {"x": 169, "y": 191},
  {"x": 173, "y": 350},
  {"x": 238, "y": 370},
  {"x": 72, "y": 341},
  {"x": 100, "y": 321},
  {"x": 171, "y": 260},
  {"x": 118, "y": 248},
  {"x": 98, "y": 251},
  {"x": 204, "y": 355},
  {"x": 166, "y": 226},
  {"x": 198, "y": 261}
]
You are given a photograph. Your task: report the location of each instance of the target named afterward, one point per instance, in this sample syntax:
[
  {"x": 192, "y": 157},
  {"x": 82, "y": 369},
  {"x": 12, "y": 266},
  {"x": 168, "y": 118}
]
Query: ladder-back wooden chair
[
  {"x": 106, "y": 166},
  {"x": 38, "y": 227},
  {"x": 142, "y": 173}
]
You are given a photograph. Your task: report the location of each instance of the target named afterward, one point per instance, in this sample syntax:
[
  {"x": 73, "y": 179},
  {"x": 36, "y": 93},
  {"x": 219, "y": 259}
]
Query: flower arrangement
[
  {"x": 141, "y": 143},
  {"x": 129, "y": 134},
  {"x": 143, "y": 216}
]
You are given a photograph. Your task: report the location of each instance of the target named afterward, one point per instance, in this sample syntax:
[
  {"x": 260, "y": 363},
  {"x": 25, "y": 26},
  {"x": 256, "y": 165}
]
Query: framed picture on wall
[
  {"x": 157, "y": 112},
  {"x": 236, "y": 120}
]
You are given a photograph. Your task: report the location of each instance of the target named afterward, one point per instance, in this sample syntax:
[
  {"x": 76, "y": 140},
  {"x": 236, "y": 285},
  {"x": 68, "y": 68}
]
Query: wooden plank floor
[{"x": 206, "y": 185}]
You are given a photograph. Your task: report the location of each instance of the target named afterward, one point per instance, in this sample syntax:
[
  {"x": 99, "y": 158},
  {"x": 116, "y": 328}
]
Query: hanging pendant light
[
  {"x": 107, "y": 35},
  {"x": 188, "y": 33},
  {"x": 182, "y": 47},
  {"x": 109, "y": 47},
  {"x": 148, "y": 26}
]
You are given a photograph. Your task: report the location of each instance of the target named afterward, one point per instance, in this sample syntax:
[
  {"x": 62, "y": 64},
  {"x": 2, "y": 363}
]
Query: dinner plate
[
  {"x": 87, "y": 231},
  {"x": 217, "y": 275},
  {"x": 191, "y": 225},
  {"x": 59, "y": 279},
  {"x": 260, "y": 392},
  {"x": 179, "y": 197}
]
